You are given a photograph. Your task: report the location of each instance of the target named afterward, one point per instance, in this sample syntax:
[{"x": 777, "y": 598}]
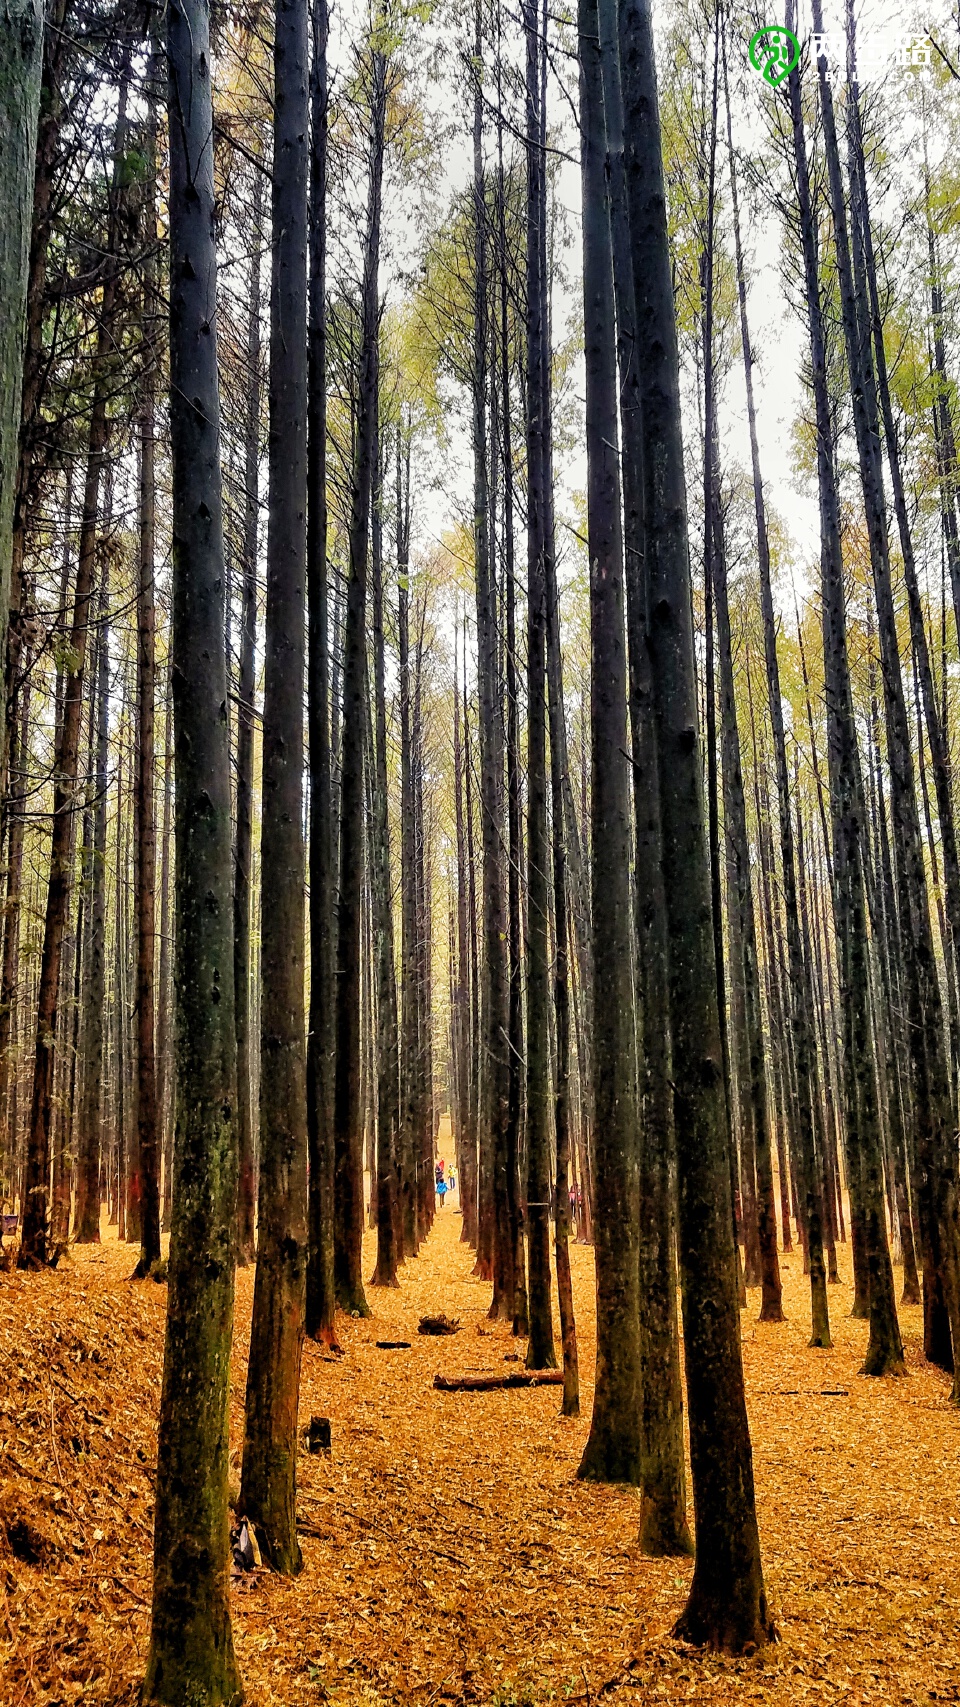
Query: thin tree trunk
[
  {"x": 164, "y": 1063},
  {"x": 798, "y": 988},
  {"x": 88, "y": 1169},
  {"x": 387, "y": 1026},
  {"x": 540, "y": 1348},
  {"x": 348, "y": 1117},
  {"x": 246, "y": 689},
  {"x": 146, "y": 861},
  {"x": 34, "y": 1251}
]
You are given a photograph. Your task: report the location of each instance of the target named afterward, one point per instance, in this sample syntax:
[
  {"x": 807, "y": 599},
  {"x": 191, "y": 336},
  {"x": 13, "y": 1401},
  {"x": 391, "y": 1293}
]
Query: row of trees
[{"x": 403, "y": 836}]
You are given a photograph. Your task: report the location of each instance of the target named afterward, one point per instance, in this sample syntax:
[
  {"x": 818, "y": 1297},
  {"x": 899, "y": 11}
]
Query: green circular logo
[{"x": 774, "y": 51}]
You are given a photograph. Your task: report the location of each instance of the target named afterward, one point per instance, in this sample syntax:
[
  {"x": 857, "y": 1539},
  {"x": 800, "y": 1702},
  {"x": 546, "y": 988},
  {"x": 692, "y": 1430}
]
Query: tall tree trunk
[
  {"x": 799, "y": 990},
  {"x": 32, "y": 374},
  {"x": 21, "y": 58},
  {"x": 561, "y": 995},
  {"x": 745, "y": 937},
  {"x": 268, "y": 1481},
  {"x": 495, "y": 1254},
  {"x": 847, "y": 810},
  {"x": 540, "y": 1348},
  {"x": 191, "y": 1647},
  {"x": 516, "y": 1055},
  {"x": 466, "y": 927},
  {"x": 663, "y": 1526},
  {"x": 938, "y": 1195},
  {"x": 10, "y": 965},
  {"x": 146, "y": 860},
  {"x": 34, "y": 1251},
  {"x": 88, "y": 1163},
  {"x": 612, "y": 1452},
  {"x": 164, "y": 1063},
  {"x": 246, "y": 689},
  {"x": 348, "y": 1118},
  {"x": 321, "y": 1298},
  {"x": 410, "y": 1022},
  {"x": 932, "y": 1101},
  {"x": 727, "y": 1607},
  {"x": 388, "y": 1043}
]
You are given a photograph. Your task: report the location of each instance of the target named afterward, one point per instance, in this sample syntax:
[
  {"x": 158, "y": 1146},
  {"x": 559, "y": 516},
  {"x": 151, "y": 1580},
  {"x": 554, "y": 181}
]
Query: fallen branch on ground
[{"x": 490, "y": 1383}]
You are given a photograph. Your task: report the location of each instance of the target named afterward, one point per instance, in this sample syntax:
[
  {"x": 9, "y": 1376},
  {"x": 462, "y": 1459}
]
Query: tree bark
[
  {"x": 21, "y": 58},
  {"x": 727, "y": 1606},
  {"x": 321, "y": 1297},
  {"x": 388, "y": 1042},
  {"x": 246, "y": 690},
  {"x": 191, "y": 1647},
  {"x": 799, "y": 992},
  {"x": 268, "y": 1481},
  {"x": 348, "y": 1127},
  {"x": 612, "y": 1452},
  {"x": 540, "y": 1348},
  {"x": 34, "y": 1251},
  {"x": 146, "y": 855}
]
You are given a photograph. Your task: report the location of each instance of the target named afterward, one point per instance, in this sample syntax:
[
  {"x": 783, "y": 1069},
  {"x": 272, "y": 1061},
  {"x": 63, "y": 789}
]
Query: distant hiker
[
  {"x": 440, "y": 1167},
  {"x": 441, "y": 1189}
]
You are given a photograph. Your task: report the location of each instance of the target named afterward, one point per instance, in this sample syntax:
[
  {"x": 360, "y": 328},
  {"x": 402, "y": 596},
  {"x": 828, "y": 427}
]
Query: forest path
[{"x": 450, "y": 1556}]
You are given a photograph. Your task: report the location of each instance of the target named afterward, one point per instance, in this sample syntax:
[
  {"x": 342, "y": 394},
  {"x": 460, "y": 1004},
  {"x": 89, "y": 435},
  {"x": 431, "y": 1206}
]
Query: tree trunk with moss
[{"x": 191, "y": 1654}]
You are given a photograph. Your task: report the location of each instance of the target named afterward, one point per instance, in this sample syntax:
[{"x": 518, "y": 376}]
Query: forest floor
[{"x": 450, "y": 1555}]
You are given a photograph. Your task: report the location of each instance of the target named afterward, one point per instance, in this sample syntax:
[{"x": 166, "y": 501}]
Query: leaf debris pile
[{"x": 450, "y": 1555}]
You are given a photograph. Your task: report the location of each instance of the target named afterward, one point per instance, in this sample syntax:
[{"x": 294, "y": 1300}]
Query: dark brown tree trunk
[
  {"x": 612, "y": 1452},
  {"x": 268, "y": 1481},
  {"x": 246, "y": 689},
  {"x": 495, "y": 1254},
  {"x": 798, "y": 989},
  {"x": 191, "y": 1649},
  {"x": 744, "y": 942},
  {"x": 410, "y": 1021},
  {"x": 88, "y": 1170},
  {"x": 540, "y": 1348},
  {"x": 516, "y": 1053},
  {"x": 847, "y": 810},
  {"x": 663, "y": 1527},
  {"x": 34, "y": 1251},
  {"x": 727, "y": 1607},
  {"x": 387, "y": 1026},
  {"x": 164, "y": 1063},
  {"x": 18, "y": 770},
  {"x": 148, "y": 1124},
  {"x": 321, "y": 1296},
  {"x": 463, "y": 992},
  {"x": 21, "y": 55},
  {"x": 348, "y": 1116},
  {"x": 932, "y": 1103}
]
